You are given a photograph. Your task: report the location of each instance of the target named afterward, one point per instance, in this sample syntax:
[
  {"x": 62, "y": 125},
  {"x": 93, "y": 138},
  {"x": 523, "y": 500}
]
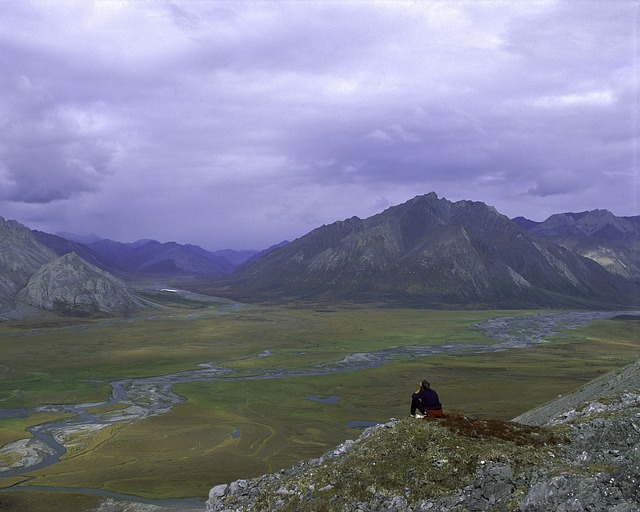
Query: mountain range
[
  {"x": 613, "y": 242},
  {"x": 42, "y": 271},
  {"x": 147, "y": 257},
  {"x": 427, "y": 252},
  {"x": 431, "y": 252}
]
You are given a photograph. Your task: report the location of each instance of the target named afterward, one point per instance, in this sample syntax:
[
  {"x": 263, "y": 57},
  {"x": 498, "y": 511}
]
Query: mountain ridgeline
[
  {"x": 44, "y": 272},
  {"x": 431, "y": 252},
  {"x": 428, "y": 252},
  {"x": 614, "y": 242},
  {"x": 148, "y": 257}
]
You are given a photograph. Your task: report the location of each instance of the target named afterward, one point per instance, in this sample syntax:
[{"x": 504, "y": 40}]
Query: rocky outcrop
[
  {"x": 599, "y": 467},
  {"x": 20, "y": 256},
  {"x": 585, "y": 455},
  {"x": 69, "y": 285}
]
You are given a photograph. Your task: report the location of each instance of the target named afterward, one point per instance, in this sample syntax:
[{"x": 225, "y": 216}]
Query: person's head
[{"x": 425, "y": 384}]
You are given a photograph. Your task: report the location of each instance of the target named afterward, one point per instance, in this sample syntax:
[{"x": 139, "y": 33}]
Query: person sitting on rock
[{"x": 426, "y": 401}]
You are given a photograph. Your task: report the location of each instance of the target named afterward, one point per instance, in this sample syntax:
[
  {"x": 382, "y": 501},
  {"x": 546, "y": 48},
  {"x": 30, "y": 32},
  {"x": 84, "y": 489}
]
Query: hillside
[
  {"x": 20, "y": 256},
  {"x": 70, "y": 286},
  {"x": 613, "y": 242},
  {"x": 429, "y": 252},
  {"x": 584, "y": 456},
  {"x": 62, "y": 246},
  {"x": 33, "y": 278}
]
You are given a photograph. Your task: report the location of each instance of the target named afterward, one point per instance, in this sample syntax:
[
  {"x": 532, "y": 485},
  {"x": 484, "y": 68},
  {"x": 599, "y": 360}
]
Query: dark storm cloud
[
  {"x": 49, "y": 152},
  {"x": 241, "y": 124}
]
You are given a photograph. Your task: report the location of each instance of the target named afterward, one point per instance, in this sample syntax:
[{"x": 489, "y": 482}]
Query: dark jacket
[{"x": 429, "y": 399}]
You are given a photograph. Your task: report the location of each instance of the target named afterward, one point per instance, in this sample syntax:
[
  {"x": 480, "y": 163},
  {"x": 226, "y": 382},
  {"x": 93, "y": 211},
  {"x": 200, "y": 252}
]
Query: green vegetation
[
  {"x": 51, "y": 364},
  {"x": 234, "y": 429},
  {"x": 422, "y": 460},
  {"x": 34, "y": 501}
]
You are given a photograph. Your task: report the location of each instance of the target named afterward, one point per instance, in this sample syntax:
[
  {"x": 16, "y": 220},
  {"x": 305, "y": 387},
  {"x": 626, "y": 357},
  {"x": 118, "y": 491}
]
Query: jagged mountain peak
[
  {"x": 442, "y": 209},
  {"x": 431, "y": 252}
]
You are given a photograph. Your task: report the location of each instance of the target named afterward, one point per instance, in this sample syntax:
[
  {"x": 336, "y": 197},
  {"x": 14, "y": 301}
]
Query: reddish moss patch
[{"x": 517, "y": 433}]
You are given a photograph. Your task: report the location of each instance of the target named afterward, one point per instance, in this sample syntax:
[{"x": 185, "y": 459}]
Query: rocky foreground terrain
[{"x": 580, "y": 452}]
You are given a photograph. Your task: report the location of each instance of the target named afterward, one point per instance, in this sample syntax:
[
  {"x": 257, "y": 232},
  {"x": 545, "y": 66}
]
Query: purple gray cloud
[{"x": 240, "y": 124}]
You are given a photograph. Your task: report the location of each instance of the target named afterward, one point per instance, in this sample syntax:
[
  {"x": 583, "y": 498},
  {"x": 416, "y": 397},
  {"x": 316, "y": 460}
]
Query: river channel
[{"x": 153, "y": 396}]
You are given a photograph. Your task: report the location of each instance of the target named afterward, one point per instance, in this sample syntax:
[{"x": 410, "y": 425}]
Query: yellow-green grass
[
  {"x": 62, "y": 364},
  {"x": 185, "y": 452},
  {"x": 278, "y": 424},
  {"x": 35, "y": 501}
]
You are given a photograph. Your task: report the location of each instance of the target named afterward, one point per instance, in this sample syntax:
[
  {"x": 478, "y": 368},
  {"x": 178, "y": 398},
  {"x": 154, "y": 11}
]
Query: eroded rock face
[{"x": 70, "y": 286}]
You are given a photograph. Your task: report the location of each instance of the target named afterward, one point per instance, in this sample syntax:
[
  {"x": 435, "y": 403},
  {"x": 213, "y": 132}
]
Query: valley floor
[{"x": 404, "y": 343}]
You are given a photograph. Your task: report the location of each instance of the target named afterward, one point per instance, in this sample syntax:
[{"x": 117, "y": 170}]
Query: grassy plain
[{"x": 243, "y": 428}]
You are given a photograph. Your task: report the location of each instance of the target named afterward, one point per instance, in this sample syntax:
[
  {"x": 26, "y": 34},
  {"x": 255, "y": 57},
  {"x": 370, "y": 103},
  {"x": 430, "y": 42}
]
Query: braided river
[{"x": 153, "y": 396}]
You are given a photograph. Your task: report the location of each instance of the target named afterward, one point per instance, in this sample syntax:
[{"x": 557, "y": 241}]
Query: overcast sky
[{"x": 242, "y": 124}]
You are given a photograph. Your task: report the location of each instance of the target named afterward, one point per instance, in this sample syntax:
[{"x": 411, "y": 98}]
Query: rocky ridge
[
  {"x": 580, "y": 452},
  {"x": 613, "y": 242},
  {"x": 69, "y": 285}
]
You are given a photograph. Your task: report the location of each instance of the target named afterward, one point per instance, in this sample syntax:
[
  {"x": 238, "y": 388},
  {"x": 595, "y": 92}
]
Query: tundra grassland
[{"x": 232, "y": 428}]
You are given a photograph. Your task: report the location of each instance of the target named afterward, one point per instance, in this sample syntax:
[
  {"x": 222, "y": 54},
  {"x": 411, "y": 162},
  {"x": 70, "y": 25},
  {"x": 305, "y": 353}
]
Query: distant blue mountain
[
  {"x": 147, "y": 257},
  {"x": 150, "y": 257},
  {"x": 83, "y": 239},
  {"x": 234, "y": 257}
]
